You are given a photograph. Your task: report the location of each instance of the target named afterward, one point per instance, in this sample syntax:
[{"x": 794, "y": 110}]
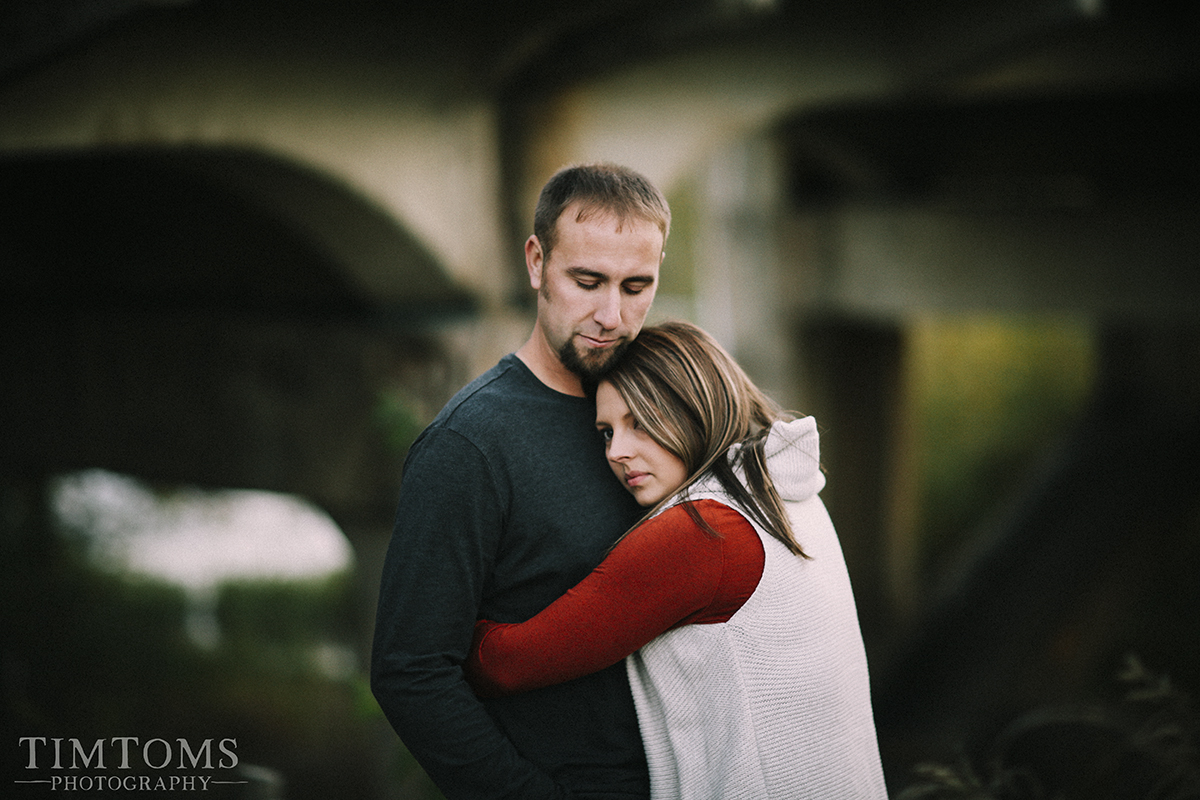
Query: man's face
[{"x": 595, "y": 288}]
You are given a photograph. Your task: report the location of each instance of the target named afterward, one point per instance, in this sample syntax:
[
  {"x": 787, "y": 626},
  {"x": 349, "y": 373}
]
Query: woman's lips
[{"x": 636, "y": 478}]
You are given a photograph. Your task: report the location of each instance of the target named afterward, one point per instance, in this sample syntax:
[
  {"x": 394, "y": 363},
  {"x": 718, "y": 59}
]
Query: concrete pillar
[
  {"x": 739, "y": 291},
  {"x": 852, "y": 373}
]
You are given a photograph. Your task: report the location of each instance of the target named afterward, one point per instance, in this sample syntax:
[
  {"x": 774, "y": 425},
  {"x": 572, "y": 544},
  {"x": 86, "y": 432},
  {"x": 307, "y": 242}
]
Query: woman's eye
[{"x": 606, "y": 434}]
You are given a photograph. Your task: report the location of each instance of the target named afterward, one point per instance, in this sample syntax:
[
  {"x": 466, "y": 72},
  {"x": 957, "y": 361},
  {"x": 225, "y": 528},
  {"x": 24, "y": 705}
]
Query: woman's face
[{"x": 646, "y": 468}]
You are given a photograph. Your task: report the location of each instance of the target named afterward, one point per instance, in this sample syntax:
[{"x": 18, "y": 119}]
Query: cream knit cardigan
[{"x": 774, "y": 703}]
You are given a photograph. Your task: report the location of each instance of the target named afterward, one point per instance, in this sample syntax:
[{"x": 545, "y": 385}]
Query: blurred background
[{"x": 248, "y": 249}]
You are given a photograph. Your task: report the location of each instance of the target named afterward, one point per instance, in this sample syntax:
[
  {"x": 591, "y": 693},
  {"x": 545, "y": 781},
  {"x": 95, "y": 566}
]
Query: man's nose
[{"x": 608, "y": 310}]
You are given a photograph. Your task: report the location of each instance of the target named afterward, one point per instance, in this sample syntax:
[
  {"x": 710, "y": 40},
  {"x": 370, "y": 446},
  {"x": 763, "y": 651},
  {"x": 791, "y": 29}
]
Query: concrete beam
[
  {"x": 1134, "y": 262},
  {"x": 346, "y": 95}
]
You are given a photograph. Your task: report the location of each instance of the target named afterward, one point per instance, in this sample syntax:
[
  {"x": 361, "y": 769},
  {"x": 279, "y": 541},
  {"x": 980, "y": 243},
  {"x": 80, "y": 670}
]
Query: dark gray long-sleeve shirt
[{"x": 506, "y": 502}]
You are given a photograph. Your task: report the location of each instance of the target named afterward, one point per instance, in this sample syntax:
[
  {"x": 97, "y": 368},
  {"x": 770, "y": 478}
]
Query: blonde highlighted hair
[{"x": 694, "y": 400}]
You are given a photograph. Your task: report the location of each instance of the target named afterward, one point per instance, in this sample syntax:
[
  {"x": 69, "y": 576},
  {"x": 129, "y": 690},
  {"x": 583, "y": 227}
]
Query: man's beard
[{"x": 590, "y": 370}]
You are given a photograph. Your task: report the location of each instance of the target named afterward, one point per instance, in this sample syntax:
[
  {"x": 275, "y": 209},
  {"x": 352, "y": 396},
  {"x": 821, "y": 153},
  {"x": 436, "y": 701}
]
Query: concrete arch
[
  {"x": 218, "y": 317},
  {"x": 218, "y": 228},
  {"x": 366, "y": 99}
]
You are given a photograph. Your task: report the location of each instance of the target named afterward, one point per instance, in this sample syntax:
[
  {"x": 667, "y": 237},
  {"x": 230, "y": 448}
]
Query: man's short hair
[{"x": 598, "y": 187}]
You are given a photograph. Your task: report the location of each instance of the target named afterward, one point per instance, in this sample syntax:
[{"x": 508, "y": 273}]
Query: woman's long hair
[{"x": 693, "y": 399}]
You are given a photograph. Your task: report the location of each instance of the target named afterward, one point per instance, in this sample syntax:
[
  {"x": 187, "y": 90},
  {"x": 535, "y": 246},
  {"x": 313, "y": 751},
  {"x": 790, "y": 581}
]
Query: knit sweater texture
[{"x": 774, "y": 703}]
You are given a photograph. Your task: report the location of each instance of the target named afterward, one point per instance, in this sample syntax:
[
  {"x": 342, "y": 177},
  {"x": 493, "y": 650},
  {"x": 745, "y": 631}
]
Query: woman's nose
[{"x": 617, "y": 449}]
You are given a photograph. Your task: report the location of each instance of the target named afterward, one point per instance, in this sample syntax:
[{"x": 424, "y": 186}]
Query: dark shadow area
[
  {"x": 1140, "y": 745},
  {"x": 196, "y": 318},
  {"x": 224, "y": 232},
  {"x": 1095, "y": 558}
]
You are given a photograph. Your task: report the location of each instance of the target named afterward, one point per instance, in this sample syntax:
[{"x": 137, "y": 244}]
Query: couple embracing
[{"x": 611, "y": 574}]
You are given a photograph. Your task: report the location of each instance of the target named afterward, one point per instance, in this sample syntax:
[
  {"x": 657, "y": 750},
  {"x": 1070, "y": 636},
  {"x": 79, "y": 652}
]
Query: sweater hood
[{"x": 793, "y": 456}]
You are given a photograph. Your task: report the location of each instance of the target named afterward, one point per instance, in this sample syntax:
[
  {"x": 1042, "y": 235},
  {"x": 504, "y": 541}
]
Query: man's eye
[
  {"x": 588, "y": 286},
  {"x": 636, "y": 288}
]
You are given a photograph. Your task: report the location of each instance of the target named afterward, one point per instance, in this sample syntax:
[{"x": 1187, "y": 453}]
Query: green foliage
[
  {"x": 60, "y": 617},
  {"x": 399, "y": 420},
  {"x": 91, "y": 653},
  {"x": 296, "y": 612},
  {"x": 989, "y": 396}
]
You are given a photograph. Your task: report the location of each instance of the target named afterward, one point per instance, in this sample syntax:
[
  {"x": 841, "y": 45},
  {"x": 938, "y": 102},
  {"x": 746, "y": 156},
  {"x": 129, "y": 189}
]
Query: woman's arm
[{"x": 666, "y": 573}]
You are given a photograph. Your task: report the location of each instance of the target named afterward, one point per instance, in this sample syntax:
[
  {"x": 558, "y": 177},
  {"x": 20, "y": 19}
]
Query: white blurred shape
[{"x": 198, "y": 539}]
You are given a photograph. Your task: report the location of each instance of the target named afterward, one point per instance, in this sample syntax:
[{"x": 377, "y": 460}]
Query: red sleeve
[{"x": 666, "y": 573}]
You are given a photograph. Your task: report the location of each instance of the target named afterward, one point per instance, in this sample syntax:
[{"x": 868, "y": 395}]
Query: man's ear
[{"x": 534, "y": 261}]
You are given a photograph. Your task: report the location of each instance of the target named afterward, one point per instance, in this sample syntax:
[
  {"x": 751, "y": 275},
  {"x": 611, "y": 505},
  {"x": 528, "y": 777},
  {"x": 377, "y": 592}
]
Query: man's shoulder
[
  {"x": 507, "y": 397},
  {"x": 472, "y": 417},
  {"x": 507, "y": 416},
  {"x": 488, "y": 396},
  {"x": 498, "y": 379}
]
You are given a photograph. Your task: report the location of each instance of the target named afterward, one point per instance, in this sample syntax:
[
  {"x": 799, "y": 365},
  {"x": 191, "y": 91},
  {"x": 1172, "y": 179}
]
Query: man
[{"x": 507, "y": 502}]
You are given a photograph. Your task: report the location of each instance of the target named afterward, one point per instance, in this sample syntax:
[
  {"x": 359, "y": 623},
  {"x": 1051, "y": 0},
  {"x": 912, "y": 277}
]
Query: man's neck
[{"x": 546, "y": 366}]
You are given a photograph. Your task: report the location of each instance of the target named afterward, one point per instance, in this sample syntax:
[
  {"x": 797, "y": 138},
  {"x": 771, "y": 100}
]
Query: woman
[{"x": 730, "y": 600}]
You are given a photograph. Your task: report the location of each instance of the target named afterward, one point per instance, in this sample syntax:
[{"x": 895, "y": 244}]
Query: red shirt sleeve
[{"x": 667, "y": 572}]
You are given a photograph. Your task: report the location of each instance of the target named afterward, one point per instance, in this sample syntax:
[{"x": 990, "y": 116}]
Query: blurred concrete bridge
[{"x": 235, "y": 234}]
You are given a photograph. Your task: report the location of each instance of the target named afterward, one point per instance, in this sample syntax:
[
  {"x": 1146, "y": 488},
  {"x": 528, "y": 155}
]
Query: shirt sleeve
[
  {"x": 447, "y": 526},
  {"x": 666, "y": 573}
]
